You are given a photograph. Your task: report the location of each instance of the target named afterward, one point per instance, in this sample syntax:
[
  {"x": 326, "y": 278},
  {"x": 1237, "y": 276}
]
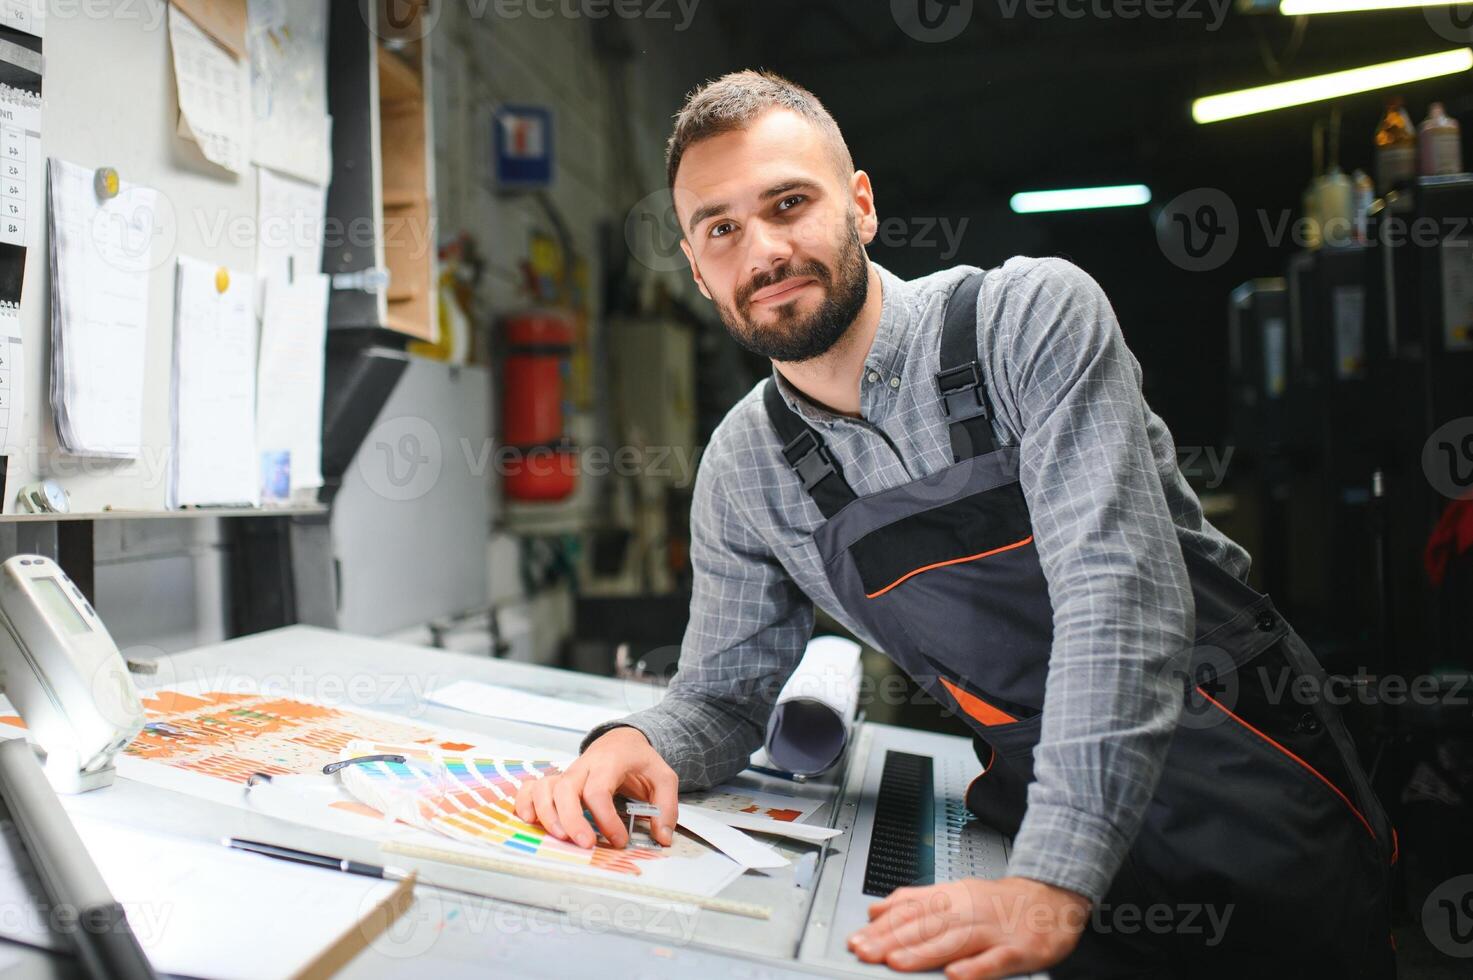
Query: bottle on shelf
[
  {"x": 1396, "y": 147},
  {"x": 1363, "y": 195},
  {"x": 1439, "y": 143},
  {"x": 1334, "y": 193}
]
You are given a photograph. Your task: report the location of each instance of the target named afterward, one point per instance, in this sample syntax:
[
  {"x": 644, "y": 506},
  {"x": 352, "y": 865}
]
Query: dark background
[{"x": 951, "y": 130}]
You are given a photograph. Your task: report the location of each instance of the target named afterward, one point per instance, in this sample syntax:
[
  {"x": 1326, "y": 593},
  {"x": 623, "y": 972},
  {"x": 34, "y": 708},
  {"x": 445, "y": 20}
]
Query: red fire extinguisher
[{"x": 542, "y": 463}]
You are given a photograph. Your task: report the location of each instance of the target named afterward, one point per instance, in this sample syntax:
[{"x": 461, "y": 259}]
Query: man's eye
[
  {"x": 788, "y": 203},
  {"x": 719, "y": 230}
]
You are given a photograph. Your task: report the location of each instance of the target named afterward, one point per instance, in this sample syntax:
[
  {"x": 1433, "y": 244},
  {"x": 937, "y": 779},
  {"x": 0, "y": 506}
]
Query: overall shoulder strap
[
  {"x": 959, "y": 382},
  {"x": 805, "y": 452}
]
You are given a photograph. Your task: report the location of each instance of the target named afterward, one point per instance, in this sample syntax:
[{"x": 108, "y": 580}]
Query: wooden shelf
[{"x": 397, "y": 81}]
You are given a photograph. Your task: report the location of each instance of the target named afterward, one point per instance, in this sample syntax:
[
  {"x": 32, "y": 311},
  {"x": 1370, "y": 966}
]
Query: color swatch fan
[{"x": 472, "y": 800}]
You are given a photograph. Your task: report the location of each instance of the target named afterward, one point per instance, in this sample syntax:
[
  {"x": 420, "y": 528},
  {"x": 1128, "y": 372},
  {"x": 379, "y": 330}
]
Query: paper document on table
[
  {"x": 468, "y": 799},
  {"x": 288, "y": 48},
  {"x": 814, "y": 714},
  {"x": 101, "y": 253},
  {"x": 203, "y": 910},
  {"x": 214, "y": 413},
  {"x": 290, "y": 377},
  {"x": 764, "y": 825},
  {"x": 214, "y": 94},
  {"x": 495, "y": 701}
]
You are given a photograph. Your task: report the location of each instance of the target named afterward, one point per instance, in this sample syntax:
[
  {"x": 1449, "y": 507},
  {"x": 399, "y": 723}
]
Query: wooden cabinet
[{"x": 381, "y": 206}]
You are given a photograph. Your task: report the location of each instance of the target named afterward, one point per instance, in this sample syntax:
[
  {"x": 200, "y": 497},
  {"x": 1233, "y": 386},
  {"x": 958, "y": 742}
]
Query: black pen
[{"x": 316, "y": 860}]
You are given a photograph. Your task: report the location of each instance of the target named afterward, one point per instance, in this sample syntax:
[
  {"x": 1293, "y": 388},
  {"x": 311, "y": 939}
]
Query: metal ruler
[{"x": 488, "y": 863}]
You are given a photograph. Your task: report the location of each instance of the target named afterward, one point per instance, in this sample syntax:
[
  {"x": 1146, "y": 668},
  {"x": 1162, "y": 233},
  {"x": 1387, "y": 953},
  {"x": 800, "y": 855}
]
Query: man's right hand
[{"x": 621, "y": 760}]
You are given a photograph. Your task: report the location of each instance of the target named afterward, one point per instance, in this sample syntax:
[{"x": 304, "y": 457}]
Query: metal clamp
[{"x": 364, "y": 281}]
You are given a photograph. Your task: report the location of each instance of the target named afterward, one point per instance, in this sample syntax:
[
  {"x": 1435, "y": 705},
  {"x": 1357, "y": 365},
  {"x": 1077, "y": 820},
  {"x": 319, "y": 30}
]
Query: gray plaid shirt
[{"x": 1109, "y": 506}]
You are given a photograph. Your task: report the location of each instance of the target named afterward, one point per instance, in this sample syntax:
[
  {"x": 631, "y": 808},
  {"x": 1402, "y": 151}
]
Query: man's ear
[
  {"x": 695, "y": 270},
  {"x": 863, "y": 195}
]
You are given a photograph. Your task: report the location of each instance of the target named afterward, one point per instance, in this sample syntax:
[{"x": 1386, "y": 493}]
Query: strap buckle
[
  {"x": 960, "y": 389},
  {"x": 810, "y": 459}
]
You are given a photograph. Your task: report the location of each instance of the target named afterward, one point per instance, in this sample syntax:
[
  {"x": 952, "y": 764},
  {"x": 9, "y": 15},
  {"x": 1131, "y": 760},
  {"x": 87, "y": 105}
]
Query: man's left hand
[{"x": 976, "y": 928}]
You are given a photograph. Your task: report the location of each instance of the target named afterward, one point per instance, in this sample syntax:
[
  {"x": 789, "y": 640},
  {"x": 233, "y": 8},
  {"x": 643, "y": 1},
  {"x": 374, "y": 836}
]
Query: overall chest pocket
[{"x": 972, "y": 528}]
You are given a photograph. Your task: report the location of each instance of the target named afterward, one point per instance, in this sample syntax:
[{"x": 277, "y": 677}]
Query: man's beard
[{"x": 792, "y": 337}]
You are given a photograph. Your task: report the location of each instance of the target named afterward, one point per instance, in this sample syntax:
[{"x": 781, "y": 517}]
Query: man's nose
[{"x": 767, "y": 248}]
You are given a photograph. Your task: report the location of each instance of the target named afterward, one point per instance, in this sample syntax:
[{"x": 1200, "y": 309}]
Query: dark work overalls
[{"x": 1262, "y": 808}]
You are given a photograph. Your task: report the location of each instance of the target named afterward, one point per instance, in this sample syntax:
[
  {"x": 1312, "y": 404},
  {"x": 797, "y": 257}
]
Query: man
[{"x": 963, "y": 471}]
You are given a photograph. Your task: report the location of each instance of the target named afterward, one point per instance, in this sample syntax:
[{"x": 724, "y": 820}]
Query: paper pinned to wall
[
  {"x": 22, "y": 168},
  {"x": 290, "y": 378},
  {"x": 101, "y": 253},
  {"x": 290, "y": 217},
  {"x": 12, "y": 375},
  {"x": 287, "y": 40},
  {"x": 223, "y": 20},
  {"x": 24, "y": 15},
  {"x": 214, "y": 94},
  {"x": 214, "y": 415}
]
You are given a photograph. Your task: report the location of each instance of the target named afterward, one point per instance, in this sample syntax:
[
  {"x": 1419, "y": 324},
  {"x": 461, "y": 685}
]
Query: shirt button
[
  {"x": 874, "y": 376},
  {"x": 1266, "y": 621},
  {"x": 894, "y": 382}
]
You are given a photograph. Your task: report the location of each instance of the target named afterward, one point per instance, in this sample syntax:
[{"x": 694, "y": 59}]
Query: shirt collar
[{"x": 884, "y": 362}]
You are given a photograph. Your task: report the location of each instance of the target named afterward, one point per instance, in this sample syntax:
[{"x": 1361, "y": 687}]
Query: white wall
[{"x": 163, "y": 584}]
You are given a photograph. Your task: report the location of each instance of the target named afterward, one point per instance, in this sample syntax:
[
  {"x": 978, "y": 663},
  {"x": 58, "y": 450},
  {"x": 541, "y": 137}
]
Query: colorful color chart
[{"x": 472, "y": 800}]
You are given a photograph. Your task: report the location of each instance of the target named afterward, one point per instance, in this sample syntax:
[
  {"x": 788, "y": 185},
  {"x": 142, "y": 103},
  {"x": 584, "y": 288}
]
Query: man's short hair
[{"x": 732, "y": 101}]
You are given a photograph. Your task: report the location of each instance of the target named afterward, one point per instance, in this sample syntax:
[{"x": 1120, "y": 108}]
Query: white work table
[{"x": 540, "y": 928}]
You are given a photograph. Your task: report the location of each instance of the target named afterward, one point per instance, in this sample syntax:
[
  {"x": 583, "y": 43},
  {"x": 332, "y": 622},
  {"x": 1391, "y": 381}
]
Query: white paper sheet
[
  {"x": 22, "y": 168},
  {"x": 214, "y": 414},
  {"x": 290, "y": 377},
  {"x": 729, "y": 840},
  {"x": 495, "y": 701},
  {"x": 205, "y": 910},
  {"x": 214, "y": 94},
  {"x": 814, "y": 713},
  {"x": 287, "y": 40},
  {"x": 764, "y": 825},
  {"x": 24, "y": 15},
  {"x": 290, "y": 216},
  {"x": 12, "y": 378},
  {"x": 101, "y": 253}
]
